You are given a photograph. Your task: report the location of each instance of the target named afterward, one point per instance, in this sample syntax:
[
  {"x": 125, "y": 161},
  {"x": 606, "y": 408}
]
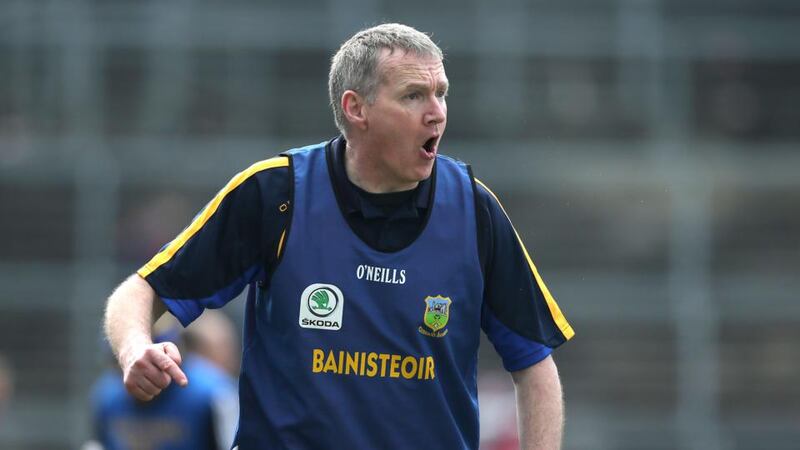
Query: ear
[{"x": 353, "y": 106}]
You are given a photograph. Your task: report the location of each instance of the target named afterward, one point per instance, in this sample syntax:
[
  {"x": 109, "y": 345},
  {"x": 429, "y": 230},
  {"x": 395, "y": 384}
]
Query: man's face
[{"x": 407, "y": 119}]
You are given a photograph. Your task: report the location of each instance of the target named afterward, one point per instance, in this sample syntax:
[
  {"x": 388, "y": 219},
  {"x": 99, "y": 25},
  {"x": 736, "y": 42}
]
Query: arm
[
  {"x": 206, "y": 265},
  {"x": 540, "y": 406},
  {"x": 147, "y": 368}
]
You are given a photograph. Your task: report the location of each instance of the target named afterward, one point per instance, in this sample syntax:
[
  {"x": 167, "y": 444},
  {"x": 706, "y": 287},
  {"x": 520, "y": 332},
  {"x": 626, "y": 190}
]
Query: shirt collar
[{"x": 355, "y": 200}]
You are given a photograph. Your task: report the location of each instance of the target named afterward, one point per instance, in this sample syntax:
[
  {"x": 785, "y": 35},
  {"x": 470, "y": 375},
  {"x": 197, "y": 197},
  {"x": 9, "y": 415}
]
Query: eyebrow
[{"x": 421, "y": 85}]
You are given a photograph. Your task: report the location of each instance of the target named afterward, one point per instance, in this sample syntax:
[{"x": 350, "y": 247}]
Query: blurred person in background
[
  {"x": 373, "y": 263},
  {"x": 201, "y": 416},
  {"x": 213, "y": 336}
]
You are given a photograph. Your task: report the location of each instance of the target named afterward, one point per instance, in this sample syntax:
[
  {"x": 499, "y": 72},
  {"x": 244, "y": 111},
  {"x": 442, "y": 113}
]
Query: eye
[
  {"x": 414, "y": 95},
  {"x": 441, "y": 94}
]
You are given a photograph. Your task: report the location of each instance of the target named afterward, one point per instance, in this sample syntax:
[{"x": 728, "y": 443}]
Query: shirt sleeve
[
  {"x": 229, "y": 244},
  {"x": 515, "y": 351},
  {"x": 520, "y": 316}
]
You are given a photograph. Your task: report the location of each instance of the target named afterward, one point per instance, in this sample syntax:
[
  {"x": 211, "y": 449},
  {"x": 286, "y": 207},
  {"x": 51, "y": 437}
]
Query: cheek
[{"x": 398, "y": 120}]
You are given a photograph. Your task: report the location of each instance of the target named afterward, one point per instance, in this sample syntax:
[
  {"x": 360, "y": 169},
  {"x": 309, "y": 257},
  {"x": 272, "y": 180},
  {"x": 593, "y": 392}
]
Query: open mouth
[{"x": 429, "y": 145}]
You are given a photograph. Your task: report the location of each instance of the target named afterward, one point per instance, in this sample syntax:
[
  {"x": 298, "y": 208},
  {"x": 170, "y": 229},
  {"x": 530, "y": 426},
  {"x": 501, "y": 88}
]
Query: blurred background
[{"x": 646, "y": 150}]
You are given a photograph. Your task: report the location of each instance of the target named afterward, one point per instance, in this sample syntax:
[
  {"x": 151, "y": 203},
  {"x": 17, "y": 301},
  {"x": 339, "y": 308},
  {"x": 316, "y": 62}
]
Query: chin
[{"x": 424, "y": 174}]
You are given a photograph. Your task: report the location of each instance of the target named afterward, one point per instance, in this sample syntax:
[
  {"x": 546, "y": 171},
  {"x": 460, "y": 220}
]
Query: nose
[{"x": 437, "y": 111}]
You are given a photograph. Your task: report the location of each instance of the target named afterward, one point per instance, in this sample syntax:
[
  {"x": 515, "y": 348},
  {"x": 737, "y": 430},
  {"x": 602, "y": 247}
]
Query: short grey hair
[{"x": 355, "y": 65}]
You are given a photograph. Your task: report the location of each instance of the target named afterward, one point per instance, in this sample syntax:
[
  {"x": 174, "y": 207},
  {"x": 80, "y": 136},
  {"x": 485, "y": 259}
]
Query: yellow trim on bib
[
  {"x": 555, "y": 311},
  {"x": 165, "y": 255}
]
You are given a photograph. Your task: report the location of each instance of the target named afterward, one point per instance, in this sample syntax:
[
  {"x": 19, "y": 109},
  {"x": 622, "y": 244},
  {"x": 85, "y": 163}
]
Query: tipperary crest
[{"x": 437, "y": 314}]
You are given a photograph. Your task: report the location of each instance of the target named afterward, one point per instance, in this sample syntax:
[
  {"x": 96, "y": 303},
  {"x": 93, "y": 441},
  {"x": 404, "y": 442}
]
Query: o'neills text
[{"x": 381, "y": 274}]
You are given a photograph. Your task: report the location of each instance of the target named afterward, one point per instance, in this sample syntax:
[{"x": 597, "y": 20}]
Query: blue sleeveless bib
[{"x": 352, "y": 348}]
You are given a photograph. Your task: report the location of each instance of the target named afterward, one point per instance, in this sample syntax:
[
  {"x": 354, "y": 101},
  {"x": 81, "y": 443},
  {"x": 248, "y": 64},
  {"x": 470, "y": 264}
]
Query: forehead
[{"x": 403, "y": 67}]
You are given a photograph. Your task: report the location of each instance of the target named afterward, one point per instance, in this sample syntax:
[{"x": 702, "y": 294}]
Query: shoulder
[
  {"x": 269, "y": 173},
  {"x": 269, "y": 166},
  {"x": 275, "y": 166},
  {"x": 264, "y": 179},
  {"x": 488, "y": 202},
  {"x": 270, "y": 163},
  {"x": 486, "y": 194},
  {"x": 307, "y": 149}
]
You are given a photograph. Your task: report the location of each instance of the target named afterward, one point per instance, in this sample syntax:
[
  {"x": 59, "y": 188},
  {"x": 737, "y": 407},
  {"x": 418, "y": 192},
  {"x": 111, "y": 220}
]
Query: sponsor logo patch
[
  {"x": 436, "y": 316},
  {"x": 321, "y": 307}
]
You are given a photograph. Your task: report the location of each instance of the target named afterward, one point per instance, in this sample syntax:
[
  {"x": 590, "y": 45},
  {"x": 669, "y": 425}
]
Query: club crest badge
[{"x": 437, "y": 314}]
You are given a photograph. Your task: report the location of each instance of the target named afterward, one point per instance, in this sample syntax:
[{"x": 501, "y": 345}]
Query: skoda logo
[{"x": 322, "y": 302}]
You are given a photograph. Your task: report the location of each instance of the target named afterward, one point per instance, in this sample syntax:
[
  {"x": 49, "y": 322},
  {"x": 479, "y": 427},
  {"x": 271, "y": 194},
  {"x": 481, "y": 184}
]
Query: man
[{"x": 373, "y": 263}]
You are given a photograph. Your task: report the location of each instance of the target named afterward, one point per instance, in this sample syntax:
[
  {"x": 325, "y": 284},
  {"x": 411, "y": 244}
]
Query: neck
[{"x": 369, "y": 176}]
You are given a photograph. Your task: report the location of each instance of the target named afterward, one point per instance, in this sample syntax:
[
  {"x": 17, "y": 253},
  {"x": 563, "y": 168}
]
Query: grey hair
[{"x": 355, "y": 65}]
